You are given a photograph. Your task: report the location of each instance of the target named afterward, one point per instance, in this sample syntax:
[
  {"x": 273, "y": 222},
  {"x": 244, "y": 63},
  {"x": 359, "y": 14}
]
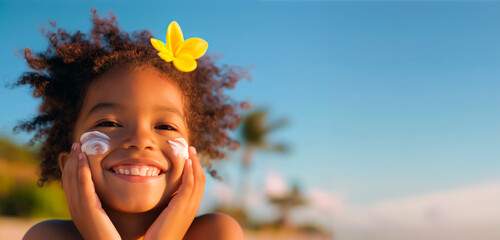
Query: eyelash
[
  {"x": 114, "y": 124},
  {"x": 105, "y": 124},
  {"x": 172, "y": 128}
]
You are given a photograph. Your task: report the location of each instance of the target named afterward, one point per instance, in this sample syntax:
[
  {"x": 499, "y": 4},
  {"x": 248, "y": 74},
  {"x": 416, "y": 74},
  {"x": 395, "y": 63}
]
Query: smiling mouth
[{"x": 137, "y": 170}]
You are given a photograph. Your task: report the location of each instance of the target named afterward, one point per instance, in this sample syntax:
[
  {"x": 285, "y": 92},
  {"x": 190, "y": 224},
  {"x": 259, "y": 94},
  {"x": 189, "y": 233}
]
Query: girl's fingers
[
  {"x": 199, "y": 177},
  {"x": 85, "y": 176},
  {"x": 192, "y": 153},
  {"x": 183, "y": 207},
  {"x": 89, "y": 218},
  {"x": 71, "y": 167},
  {"x": 69, "y": 178},
  {"x": 67, "y": 164},
  {"x": 187, "y": 183},
  {"x": 185, "y": 189},
  {"x": 197, "y": 168}
]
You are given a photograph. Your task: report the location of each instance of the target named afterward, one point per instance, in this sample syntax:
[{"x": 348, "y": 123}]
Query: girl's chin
[
  {"x": 134, "y": 200},
  {"x": 134, "y": 206}
]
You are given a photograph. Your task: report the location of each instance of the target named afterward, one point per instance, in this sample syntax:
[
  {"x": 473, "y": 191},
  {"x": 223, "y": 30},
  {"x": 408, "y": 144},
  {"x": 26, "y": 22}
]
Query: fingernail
[
  {"x": 73, "y": 147},
  {"x": 80, "y": 156},
  {"x": 194, "y": 150},
  {"x": 190, "y": 162}
]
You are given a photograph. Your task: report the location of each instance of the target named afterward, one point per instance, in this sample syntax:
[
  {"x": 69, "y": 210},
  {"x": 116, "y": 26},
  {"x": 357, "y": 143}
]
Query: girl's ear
[{"x": 62, "y": 159}]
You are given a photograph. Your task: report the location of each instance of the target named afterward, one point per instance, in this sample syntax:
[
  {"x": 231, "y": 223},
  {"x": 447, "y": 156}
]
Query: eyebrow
[
  {"x": 162, "y": 108},
  {"x": 159, "y": 108},
  {"x": 104, "y": 105}
]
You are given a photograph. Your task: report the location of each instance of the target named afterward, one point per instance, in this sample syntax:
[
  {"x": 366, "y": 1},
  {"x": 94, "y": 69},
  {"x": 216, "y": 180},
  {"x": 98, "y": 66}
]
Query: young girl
[{"x": 122, "y": 120}]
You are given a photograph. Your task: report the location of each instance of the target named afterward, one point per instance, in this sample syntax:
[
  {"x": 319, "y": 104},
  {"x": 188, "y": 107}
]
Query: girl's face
[{"x": 140, "y": 111}]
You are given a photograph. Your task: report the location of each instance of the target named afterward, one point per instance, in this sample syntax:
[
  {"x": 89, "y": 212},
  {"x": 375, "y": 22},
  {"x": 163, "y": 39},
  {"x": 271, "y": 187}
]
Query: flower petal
[
  {"x": 174, "y": 36},
  {"x": 160, "y": 46},
  {"x": 166, "y": 56},
  {"x": 185, "y": 63},
  {"x": 195, "y": 47}
]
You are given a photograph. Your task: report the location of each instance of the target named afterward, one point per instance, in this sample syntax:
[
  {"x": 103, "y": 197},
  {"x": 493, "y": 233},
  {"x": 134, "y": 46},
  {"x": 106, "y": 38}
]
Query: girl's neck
[{"x": 132, "y": 225}]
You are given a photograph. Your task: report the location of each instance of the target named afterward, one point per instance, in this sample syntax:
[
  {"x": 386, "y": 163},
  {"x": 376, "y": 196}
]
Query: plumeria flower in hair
[{"x": 182, "y": 53}]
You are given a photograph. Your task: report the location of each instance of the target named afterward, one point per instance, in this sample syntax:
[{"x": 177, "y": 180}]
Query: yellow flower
[{"x": 182, "y": 53}]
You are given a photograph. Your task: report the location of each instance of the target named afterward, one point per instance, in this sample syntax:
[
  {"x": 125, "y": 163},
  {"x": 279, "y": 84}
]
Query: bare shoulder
[
  {"x": 214, "y": 226},
  {"x": 53, "y": 229}
]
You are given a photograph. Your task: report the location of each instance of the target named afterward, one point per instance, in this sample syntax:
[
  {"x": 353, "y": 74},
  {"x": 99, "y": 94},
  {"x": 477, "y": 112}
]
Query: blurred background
[{"x": 369, "y": 119}]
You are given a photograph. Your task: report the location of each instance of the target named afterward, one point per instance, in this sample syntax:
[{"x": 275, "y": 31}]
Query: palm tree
[
  {"x": 254, "y": 132},
  {"x": 286, "y": 203}
]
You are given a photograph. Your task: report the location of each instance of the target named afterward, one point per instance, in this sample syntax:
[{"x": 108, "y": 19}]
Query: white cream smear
[
  {"x": 94, "y": 143},
  {"x": 180, "y": 147}
]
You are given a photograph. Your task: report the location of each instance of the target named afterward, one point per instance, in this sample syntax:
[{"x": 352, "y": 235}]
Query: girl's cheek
[
  {"x": 180, "y": 147},
  {"x": 95, "y": 143}
]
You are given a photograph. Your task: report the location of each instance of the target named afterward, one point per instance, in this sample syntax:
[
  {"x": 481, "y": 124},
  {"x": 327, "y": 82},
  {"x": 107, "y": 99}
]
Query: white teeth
[{"x": 142, "y": 171}]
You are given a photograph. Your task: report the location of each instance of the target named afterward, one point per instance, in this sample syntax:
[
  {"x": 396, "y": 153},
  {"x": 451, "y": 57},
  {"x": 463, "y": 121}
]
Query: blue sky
[{"x": 386, "y": 99}]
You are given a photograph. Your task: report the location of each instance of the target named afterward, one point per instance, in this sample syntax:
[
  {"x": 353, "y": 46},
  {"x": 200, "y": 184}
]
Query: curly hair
[{"x": 62, "y": 73}]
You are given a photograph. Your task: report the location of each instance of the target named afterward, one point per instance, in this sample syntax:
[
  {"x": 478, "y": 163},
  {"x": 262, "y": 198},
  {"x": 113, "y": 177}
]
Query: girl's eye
[
  {"x": 108, "y": 124},
  {"x": 165, "y": 127}
]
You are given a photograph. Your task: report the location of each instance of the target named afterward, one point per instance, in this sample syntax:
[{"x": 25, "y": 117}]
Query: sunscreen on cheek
[
  {"x": 180, "y": 147},
  {"x": 94, "y": 143}
]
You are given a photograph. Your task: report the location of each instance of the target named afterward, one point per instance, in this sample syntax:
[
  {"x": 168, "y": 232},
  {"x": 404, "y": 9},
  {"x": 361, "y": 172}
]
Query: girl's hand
[
  {"x": 175, "y": 220},
  {"x": 84, "y": 205}
]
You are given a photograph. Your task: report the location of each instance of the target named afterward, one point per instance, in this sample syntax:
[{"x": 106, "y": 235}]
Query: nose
[{"x": 140, "y": 138}]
